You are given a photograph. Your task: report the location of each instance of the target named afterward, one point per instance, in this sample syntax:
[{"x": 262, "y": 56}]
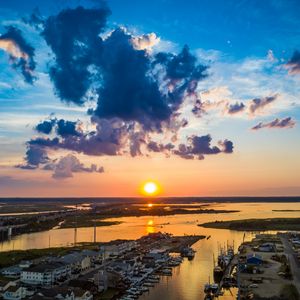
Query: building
[
  {"x": 45, "y": 274},
  {"x": 14, "y": 292},
  {"x": 4, "y": 285},
  {"x": 116, "y": 248},
  {"x": 77, "y": 261},
  {"x": 11, "y": 272},
  {"x": 64, "y": 293},
  {"x": 101, "y": 280}
]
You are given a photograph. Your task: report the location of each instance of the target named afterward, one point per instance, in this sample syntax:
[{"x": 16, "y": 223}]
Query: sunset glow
[{"x": 150, "y": 188}]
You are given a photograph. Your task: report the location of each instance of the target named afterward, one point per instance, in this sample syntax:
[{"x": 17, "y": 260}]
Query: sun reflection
[
  {"x": 150, "y": 226},
  {"x": 150, "y": 223},
  {"x": 150, "y": 205}
]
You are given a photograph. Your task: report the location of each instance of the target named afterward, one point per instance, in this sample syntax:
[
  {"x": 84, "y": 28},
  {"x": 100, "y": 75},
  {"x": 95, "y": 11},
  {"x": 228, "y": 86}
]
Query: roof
[
  {"x": 63, "y": 290},
  {"x": 44, "y": 267},
  {"x": 72, "y": 258},
  {"x": 13, "y": 288},
  {"x": 3, "y": 283},
  {"x": 12, "y": 269}
]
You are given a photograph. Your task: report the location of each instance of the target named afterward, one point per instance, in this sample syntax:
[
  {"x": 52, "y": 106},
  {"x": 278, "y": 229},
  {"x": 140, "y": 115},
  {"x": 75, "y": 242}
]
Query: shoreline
[{"x": 288, "y": 224}]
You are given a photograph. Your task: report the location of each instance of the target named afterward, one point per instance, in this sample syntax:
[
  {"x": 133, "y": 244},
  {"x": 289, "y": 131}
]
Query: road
[{"x": 294, "y": 262}]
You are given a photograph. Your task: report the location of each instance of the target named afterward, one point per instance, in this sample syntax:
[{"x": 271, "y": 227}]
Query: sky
[{"x": 98, "y": 97}]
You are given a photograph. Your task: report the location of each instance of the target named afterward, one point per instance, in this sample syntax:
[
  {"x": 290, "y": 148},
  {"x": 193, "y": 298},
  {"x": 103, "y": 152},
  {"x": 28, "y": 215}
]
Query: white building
[
  {"x": 45, "y": 273},
  {"x": 14, "y": 293},
  {"x": 64, "y": 293},
  {"x": 116, "y": 248},
  {"x": 101, "y": 280},
  {"x": 77, "y": 261}
]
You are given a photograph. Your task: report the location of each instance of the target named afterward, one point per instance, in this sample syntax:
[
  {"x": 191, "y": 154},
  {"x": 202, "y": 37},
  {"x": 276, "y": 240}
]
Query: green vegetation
[
  {"x": 9, "y": 258},
  {"x": 86, "y": 220},
  {"x": 256, "y": 224}
]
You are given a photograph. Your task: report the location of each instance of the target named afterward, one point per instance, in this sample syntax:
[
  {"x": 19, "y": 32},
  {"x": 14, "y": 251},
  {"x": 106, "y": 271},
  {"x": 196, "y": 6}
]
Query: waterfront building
[
  {"x": 116, "y": 248},
  {"x": 14, "y": 292},
  {"x": 77, "y": 261},
  {"x": 45, "y": 274},
  {"x": 63, "y": 293},
  {"x": 11, "y": 272}
]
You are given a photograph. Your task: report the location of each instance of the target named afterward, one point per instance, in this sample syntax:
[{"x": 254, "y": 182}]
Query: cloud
[
  {"x": 293, "y": 64},
  {"x": 235, "y": 108},
  {"x": 69, "y": 164},
  {"x": 277, "y": 123},
  {"x": 198, "y": 146},
  {"x": 20, "y": 52},
  {"x": 34, "y": 157},
  {"x": 45, "y": 126},
  {"x": 145, "y": 41},
  {"x": 73, "y": 36},
  {"x": 117, "y": 69},
  {"x": 137, "y": 94},
  {"x": 258, "y": 104}
]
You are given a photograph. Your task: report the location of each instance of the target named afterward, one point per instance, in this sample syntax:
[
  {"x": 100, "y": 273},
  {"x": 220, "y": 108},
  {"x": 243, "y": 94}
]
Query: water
[{"x": 189, "y": 278}]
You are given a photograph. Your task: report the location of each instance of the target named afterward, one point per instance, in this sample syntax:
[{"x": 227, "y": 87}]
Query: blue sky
[{"x": 240, "y": 111}]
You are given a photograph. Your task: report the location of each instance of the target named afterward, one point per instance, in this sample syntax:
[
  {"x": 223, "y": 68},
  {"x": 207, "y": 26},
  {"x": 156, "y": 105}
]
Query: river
[{"x": 188, "y": 279}]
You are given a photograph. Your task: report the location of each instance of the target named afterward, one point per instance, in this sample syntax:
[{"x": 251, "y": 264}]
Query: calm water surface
[{"x": 188, "y": 279}]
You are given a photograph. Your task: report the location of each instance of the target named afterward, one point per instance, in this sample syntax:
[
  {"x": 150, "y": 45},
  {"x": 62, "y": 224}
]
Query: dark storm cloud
[
  {"x": 137, "y": 94},
  {"x": 45, "y": 126},
  {"x": 198, "y": 146},
  {"x": 128, "y": 91},
  {"x": 294, "y": 63},
  {"x": 259, "y": 103},
  {"x": 63, "y": 127},
  {"x": 67, "y": 128},
  {"x": 121, "y": 76},
  {"x": 73, "y": 36},
  {"x": 20, "y": 52},
  {"x": 235, "y": 108},
  {"x": 277, "y": 123}
]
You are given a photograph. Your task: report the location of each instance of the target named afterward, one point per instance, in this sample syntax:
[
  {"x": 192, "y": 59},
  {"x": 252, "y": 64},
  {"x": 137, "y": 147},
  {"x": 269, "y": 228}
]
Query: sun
[{"x": 150, "y": 188}]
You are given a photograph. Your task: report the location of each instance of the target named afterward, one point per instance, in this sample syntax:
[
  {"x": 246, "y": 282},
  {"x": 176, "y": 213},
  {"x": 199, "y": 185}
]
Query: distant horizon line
[{"x": 161, "y": 198}]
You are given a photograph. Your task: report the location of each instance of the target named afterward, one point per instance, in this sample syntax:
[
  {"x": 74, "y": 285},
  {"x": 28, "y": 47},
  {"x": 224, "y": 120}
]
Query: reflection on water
[
  {"x": 189, "y": 278},
  {"x": 150, "y": 227},
  {"x": 135, "y": 227}
]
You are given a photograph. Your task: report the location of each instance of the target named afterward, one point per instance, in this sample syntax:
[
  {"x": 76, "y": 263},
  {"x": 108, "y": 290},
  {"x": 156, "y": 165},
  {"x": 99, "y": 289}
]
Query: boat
[
  {"x": 167, "y": 272},
  {"x": 188, "y": 252}
]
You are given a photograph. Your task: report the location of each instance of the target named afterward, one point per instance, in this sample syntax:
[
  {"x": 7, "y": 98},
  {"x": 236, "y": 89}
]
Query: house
[
  {"x": 77, "y": 261},
  {"x": 101, "y": 280},
  {"x": 64, "y": 293},
  {"x": 116, "y": 248},
  {"x": 254, "y": 259},
  {"x": 4, "y": 285},
  {"x": 93, "y": 255},
  {"x": 45, "y": 273},
  {"x": 56, "y": 293},
  {"x": 14, "y": 292},
  {"x": 11, "y": 272}
]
